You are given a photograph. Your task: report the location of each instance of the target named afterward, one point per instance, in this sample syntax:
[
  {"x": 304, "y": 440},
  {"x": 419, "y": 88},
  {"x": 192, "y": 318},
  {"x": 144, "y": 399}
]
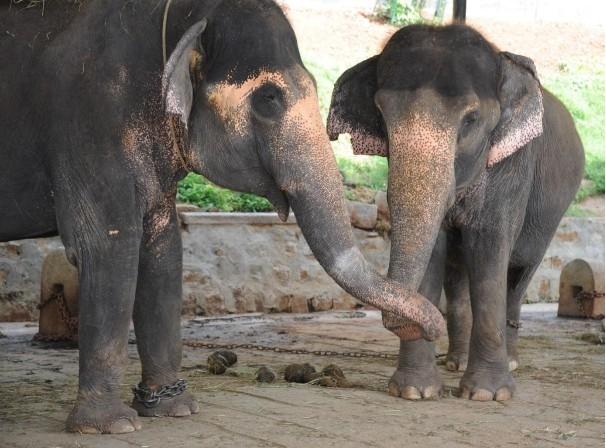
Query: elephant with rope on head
[{"x": 96, "y": 131}]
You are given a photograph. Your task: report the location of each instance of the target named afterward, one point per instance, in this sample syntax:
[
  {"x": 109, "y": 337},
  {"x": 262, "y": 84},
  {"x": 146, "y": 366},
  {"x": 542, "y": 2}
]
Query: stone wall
[
  {"x": 241, "y": 263},
  {"x": 235, "y": 263}
]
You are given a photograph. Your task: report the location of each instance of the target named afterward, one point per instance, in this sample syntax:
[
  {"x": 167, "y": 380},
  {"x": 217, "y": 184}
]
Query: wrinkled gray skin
[
  {"x": 86, "y": 153},
  {"x": 483, "y": 163}
]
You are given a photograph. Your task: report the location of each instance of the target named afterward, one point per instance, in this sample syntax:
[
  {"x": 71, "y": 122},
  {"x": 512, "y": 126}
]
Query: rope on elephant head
[{"x": 164, "y": 21}]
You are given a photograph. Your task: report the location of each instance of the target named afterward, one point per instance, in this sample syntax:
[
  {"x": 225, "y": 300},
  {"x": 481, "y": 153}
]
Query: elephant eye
[
  {"x": 470, "y": 118},
  {"x": 268, "y": 101},
  {"x": 467, "y": 123}
]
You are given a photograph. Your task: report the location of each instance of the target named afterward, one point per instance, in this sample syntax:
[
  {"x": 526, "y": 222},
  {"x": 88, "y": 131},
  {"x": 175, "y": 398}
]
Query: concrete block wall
[
  {"x": 575, "y": 238},
  {"x": 241, "y": 263}
]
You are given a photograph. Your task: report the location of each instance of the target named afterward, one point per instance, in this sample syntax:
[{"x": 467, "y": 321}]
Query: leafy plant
[
  {"x": 196, "y": 190},
  {"x": 402, "y": 12},
  {"x": 405, "y": 12},
  {"x": 582, "y": 91}
]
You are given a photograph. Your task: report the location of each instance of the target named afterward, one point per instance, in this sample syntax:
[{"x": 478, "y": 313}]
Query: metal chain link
[
  {"x": 70, "y": 322},
  {"x": 295, "y": 351},
  {"x": 151, "y": 398},
  {"x": 584, "y": 296}
]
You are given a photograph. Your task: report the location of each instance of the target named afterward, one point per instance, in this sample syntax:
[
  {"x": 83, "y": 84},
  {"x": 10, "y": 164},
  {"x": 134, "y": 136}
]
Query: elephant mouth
[{"x": 280, "y": 202}]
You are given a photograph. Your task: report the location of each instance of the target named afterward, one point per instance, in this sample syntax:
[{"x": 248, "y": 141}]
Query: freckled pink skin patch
[
  {"x": 138, "y": 139},
  {"x": 525, "y": 130},
  {"x": 228, "y": 99}
]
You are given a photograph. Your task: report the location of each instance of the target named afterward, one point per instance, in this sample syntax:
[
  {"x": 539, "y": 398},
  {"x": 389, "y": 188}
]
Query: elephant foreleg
[
  {"x": 157, "y": 314},
  {"x": 417, "y": 375},
  {"x": 487, "y": 376}
]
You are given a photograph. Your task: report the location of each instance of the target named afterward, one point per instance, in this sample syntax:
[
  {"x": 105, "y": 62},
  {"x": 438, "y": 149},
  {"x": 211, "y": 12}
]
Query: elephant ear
[
  {"x": 177, "y": 87},
  {"x": 353, "y": 110},
  {"x": 521, "y": 107}
]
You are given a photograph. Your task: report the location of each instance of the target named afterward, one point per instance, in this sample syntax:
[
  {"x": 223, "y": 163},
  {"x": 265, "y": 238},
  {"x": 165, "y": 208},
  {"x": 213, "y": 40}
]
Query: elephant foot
[
  {"x": 181, "y": 405},
  {"x": 485, "y": 385},
  {"x": 456, "y": 361},
  {"x": 420, "y": 384},
  {"x": 114, "y": 417}
]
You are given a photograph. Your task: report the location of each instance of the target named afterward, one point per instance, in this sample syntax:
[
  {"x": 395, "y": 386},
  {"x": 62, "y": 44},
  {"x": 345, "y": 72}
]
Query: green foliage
[
  {"x": 594, "y": 178},
  {"x": 582, "y": 91},
  {"x": 367, "y": 171},
  {"x": 404, "y": 12},
  {"x": 196, "y": 190},
  {"x": 325, "y": 75},
  {"x": 577, "y": 212}
]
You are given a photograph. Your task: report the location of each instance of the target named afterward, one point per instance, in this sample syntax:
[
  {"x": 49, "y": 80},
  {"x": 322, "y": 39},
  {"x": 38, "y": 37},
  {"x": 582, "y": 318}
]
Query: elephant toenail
[
  {"x": 482, "y": 395},
  {"x": 121, "y": 426},
  {"x": 393, "y": 389},
  {"x": 503, "y": 394},
  {"x": 431, "y": 392},
  {"x": 411, "y": 393},
  {"x": 85, "y": 430},
  {"x": 181, "y": 410}
]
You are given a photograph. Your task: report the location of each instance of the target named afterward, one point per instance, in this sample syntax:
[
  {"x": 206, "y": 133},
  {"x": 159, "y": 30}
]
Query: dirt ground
[{"x": 559, "y": 399}]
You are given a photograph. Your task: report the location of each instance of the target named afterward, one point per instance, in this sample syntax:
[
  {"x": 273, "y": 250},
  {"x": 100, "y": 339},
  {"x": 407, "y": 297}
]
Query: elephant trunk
[
  {"x": 313, "y": 186},
  {"x": 421, "y": 188}
]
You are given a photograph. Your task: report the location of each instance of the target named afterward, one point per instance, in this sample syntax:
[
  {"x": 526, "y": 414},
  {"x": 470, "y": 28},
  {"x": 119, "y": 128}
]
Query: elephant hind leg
[
  {"x": 458, "y": 303},
  {"x": 518, "y": 279},
  {"x": 102, "y": 237}
]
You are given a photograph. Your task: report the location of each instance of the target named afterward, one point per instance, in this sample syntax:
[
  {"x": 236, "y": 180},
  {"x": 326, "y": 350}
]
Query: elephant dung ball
[
  {"x": 333, "y": 370},
  {"x": 300, "y": 373},
  {"x": 219, "y": 361},
  {"x": 334, "y": 373},
  {"x": 265, "y": 375},
  {"x": 230, "y": 357}
]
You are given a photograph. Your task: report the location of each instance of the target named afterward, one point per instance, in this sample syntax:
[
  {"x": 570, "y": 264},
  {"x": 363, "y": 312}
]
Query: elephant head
[
  {"x": 251, "y": 121},
  {"x": 445, "y": 106}
]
